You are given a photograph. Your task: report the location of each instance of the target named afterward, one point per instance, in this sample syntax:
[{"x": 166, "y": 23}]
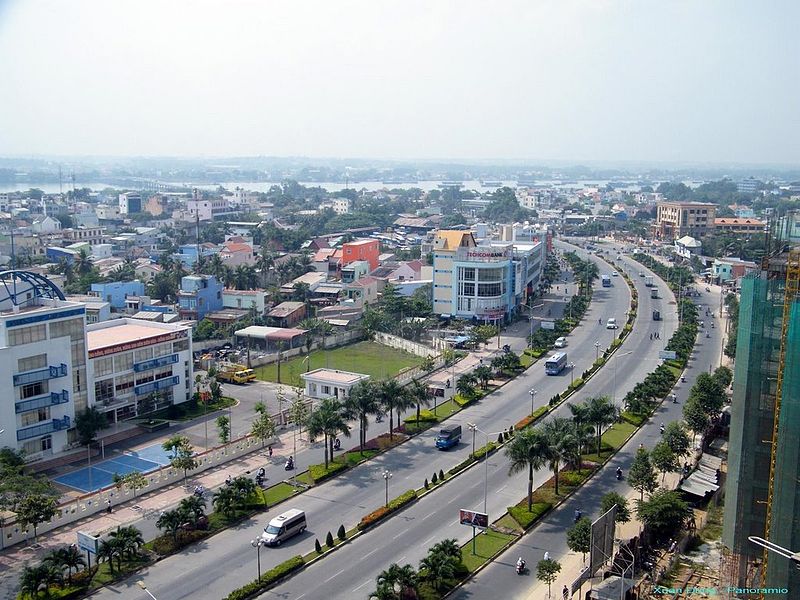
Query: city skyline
[{"x": 581, "y": 82}]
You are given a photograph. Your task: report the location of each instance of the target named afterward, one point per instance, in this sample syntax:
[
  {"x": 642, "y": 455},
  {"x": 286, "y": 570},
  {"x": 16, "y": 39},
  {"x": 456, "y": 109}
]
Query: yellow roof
[{"x": 454, "y": 239}]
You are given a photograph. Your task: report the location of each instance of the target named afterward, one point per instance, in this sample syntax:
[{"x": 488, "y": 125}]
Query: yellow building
[{"x": 677, "y": 219}]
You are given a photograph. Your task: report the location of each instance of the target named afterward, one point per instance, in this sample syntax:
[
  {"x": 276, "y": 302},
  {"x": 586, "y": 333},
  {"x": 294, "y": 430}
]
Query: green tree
[
  {"x": 134, "y": 480},
  {"x": 175, "y": 444},
  {"x": 39, "y": 578},
  {"x": 723, "y": 376},
  {"x": 623, "y": 514},
  {"x": 677, "y": 439},
  {"x": 529, "y": 449},
  {"x": 664, "y": 513},
  {"x": 600, "y": 413},
  {"x": 194, "y": 506},
  {"x": 418, "y": 394},
  {"x": 641, "y": 476},
  {"x": 183, "y": 453},
  {"x": 108, "y": 551},
  {"x": 547, "y": 572},
  {"x": 437, "y": 568},
  {"x": 328, "y": 420},
  {"x": 663, "y": 459},
  {"x": 361, "y": 402},
  {"x": 298, "y": 410},
  {"x": 465, "y": 386},
  {"x": 66, "y": 557},
  {"x": 224, "y": 428},
  {"x": 403, "y": 578},
  {"x": 484, "y": 374},
  {"x": 579, "y": 536},
  {"x": 226, "y": 501},
  {"x": 34, "y": 510},
  {"x": 391, "y": 396},
  {"x": 696, "y": 418},
  {"x": 129, "y": 541},
  {"x": 170, "y": 522},
  {"x": 708, "y": 393},
  {"x": 448, "y": 547},
  {"x": 562, "y": 443},
  {"x": 88, "y": 423},
  {"x": 263, "y": 428}
]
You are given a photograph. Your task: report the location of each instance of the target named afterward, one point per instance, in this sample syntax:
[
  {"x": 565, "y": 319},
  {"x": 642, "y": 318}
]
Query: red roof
[{"x": 236, "y": 247}]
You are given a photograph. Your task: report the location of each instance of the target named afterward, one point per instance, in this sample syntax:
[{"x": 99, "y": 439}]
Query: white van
[
  {"x": 560, "y": 342},
  {"x": 284, "y": 526},
  {"x": 611, "y": 324}
]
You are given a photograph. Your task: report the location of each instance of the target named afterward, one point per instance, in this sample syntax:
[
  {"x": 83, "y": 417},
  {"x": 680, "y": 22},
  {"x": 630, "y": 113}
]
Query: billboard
[
  {"x": 551, "y": 325},
  {"x": 602, "y": 540},
  {"x": 473, "y": 519},
  {"x": 667, "y": 355},
  {"x": 87, "y": 542}
]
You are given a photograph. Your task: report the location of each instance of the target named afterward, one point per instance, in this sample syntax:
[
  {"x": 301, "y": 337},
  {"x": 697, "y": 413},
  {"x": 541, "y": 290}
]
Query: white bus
[{"x": 556, "y": 363}]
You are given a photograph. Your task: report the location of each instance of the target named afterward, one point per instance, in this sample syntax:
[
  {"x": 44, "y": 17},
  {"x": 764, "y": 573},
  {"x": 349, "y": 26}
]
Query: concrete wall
[{"x": 394, "y": 341}]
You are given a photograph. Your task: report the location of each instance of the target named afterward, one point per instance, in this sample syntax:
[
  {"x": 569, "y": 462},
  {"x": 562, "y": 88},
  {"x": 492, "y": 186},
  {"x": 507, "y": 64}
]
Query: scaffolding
[{"x": 790, "y": 295}]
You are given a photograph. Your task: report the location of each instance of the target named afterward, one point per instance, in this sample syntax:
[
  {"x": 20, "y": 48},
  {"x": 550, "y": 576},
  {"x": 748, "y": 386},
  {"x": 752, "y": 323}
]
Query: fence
[
  {"x": 393, "y": 341},
  {"x": 90, "y": 504},
  {"x": 331, "y": 341}
]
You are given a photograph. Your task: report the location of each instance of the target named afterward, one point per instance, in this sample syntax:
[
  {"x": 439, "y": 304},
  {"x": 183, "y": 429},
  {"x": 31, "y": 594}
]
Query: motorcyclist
[
  {"x": 520, "y": 564},
  {"x": 619, "y": 472},
  {"x": 662, "y": 428},
  {"x": 337, "y": 444},
  {"x": 674, "y": 399}
]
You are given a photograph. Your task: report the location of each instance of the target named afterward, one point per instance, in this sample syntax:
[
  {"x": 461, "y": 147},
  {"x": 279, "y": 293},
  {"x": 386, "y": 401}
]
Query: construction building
[{"x": 761, "y": 495}]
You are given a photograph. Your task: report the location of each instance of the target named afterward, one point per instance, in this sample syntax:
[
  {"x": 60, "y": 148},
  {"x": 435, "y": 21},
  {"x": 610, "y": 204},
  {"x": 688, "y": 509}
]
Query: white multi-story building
[
  {"x": 485, "y": 282},
  {"x": 137, "y": 366},
  {"x": 42, "y": 366},
  {"x": 341, "y": 206}
]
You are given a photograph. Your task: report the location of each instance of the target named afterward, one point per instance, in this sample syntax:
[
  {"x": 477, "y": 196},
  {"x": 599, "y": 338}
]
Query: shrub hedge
[
  {"x": 384, "y": 511},
  {"x": 318, "y": 472},
  {"x": 523, "y": 517},
  {"x": 267, "y": 579}
]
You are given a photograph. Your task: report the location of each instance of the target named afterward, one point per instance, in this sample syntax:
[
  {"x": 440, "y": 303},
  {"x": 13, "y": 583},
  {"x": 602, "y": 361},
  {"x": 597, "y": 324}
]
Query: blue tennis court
[{"x": 100, "y": 475}]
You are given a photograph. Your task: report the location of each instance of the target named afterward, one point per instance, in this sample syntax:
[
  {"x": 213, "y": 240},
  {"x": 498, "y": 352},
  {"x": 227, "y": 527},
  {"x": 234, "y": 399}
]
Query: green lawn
[
  {"x": 373, "y": 359},
  {"x": 486, "y": 545},
  {"x": 186, "y": 412}
]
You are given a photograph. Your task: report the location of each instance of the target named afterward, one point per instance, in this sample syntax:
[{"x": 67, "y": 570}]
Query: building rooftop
[
  {"x": 284, "y": 309},
  {"x": 362, "y": 242},
  {"x": 123, "y": 331},
  {"x": 334, "y": 376},
  {"x": 269, "y": 333}
]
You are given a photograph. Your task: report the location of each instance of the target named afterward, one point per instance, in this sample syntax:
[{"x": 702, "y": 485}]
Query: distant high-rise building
[
  {"x": 130, "y": 203},
  {"x": 762, "y": 496}
]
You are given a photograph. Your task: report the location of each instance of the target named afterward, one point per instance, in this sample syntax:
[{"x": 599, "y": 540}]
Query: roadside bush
[
  {"x": 267, "y": 579},
  {"x": 526, "y": 519},
  {"x": 384, "y": 511},
  {"x": 425, "y": 415},
  {"x": 435, "y": 478},
  {"x": 461, "y": 466},
  {"x": 441, "y": 475},
  {"x": 317, "y": 546},
  {"x": 633, "y": 419},
  {"x": 426, "y": 484},
  {"x": 500, "y": 438},
  {"x": 485, "y": 450},
  {"x": 341, "y": 533},
  {"x": 525, "y": 421},
  {"x": 329, "y": 540},
  {"x": 573, "y": 478},
  {"x": 576, "y": 384},
  {"x": 318, "y": 472}
]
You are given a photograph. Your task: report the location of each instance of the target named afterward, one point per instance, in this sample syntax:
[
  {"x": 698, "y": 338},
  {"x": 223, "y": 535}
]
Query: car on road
[
  {"x": 614, "y": 274},
  {"x": 641, "y": 273},
  {"x": 611, "y": 323},
  {"x": 284, "y": 526},
  {"x": 560, "y": 342}
]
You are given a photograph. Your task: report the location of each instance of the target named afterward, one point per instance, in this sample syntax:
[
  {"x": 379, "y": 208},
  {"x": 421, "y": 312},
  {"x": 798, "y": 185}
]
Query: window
[
  {"x": 78, "y": 352},
  {"x": 468, "y": 273},
  {"x": 27, "y": 335},
  {"x": 71, "y": 327},
  {"x": 104, "y": 391},
  {"x": 46, "y": 443},
  {"x": 123, "y": 384},
  {"x": 32, "y": 417},
  {"x": 32, "y": 362},
  {"x": 33, "y": 389},
  {"x": 180, "y": 346},
  {"x": 161, "y": 350},
  {"x": 467, "y": 289},
  {"x": 123, "y": 362},
  {"x": 491, "y": 274},
  {"x": 103, "y": 366},
  {"x": 326, "y": 389},
  {"x": 143, "y": 354},
  {"x": 490, "y": 289}
]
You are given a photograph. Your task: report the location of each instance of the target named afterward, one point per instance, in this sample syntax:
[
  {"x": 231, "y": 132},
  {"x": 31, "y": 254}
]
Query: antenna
[{"x": 60, "y": 182}]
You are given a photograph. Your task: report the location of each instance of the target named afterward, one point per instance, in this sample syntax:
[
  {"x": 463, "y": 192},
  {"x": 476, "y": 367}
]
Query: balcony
[
  {"x": 155, "y": 363},
  {"x": 43, "y": 429},
  {"x": 154, "y": 386},
  {"x": 40, "y": 375},
  {"x": 51, "y": 399}
]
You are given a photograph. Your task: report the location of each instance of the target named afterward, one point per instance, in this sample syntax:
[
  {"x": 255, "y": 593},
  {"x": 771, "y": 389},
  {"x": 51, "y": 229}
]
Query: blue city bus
[{"x": 556, "y": 363}]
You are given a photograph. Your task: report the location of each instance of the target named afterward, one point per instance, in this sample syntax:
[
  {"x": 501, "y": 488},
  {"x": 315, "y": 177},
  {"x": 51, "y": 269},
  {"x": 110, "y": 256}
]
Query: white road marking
[
  {"x": 332, "y": 577},
  {"x": 425, "y": 543},
  {"x": 367, "y": 582},
  {"x": 368, "y": 553},
  {"x": 398, "y": 535},
  {"x": 426, "y": 516}
]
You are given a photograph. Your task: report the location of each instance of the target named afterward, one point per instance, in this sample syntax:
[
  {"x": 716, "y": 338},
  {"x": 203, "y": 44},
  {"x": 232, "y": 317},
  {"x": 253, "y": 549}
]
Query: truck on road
[
  {"x": 235, "y": 373},
  {"x": 654, "y": 292},
  {"x": 606, "y": 279},
  {"x": 648, "y": 280},
  {"x": 448, "y": 437}
]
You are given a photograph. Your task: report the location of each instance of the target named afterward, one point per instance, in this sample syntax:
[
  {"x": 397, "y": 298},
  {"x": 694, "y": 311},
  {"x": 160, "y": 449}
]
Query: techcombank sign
[{"x": 482, "y": 254}]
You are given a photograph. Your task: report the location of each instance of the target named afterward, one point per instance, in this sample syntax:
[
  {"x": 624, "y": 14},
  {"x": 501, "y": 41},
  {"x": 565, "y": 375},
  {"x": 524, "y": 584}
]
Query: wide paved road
[
  {"x": 214, "y": 567},
  {"x": 499, "y": 580},
  {"x": 351, "y": 571}
]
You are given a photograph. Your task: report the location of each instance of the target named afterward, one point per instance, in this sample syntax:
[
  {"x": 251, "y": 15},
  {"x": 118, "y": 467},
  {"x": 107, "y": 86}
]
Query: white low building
[
  {"x": 138, "y": 366},
  {"x": 330, "y": 383}
]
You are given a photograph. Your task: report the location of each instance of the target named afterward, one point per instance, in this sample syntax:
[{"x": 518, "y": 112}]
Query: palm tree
[
  {"x": 418, "y": 393},
  {"x": 215, "y": 266},
  {"x": 563, "y": 445},
  {"x": 466, "y": 385},
  {"x": 328, "y": 420},
  {"x": 359, "y": 404},
  {"x": 396, "y": 577},
  {"x": 40, "y": 577},
  {"x": 484, "y": 374},
  {"x": 228, "y": 277},
  {"x": 194, "y": 506},
  {"x": 130, "y": 540},
  {"x": 264, "y": 262},
  {"x": 68, "y": 557},
  {"x": 529, "y": 449},
  {"x": 171, "y": 520},
  {"x": 108, "y": 551},
  {"x": 449, "y": 547},
  {"x": 226, "y": 501},
  {"x": 83, "y": 265},
  {"x": 601, "y": 412},
  {"x": 438, "y": 567},
  {"x": 390, "y": 393}
]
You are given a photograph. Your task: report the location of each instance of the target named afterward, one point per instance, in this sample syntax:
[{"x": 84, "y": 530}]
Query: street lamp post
[
  {"x": 141, "y": 584},
  {"x": 533, "y": 393},
  {"x": 473, "y": 427},
  {"x": 257, "y": 544},
  {"x": 387, "y": 475},
  {"x": 571, "y": 373},
  {"x": 596, "y": 351}
]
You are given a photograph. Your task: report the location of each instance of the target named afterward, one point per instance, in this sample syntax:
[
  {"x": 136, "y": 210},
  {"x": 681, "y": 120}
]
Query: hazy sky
[{"x": 660, "y": 80}]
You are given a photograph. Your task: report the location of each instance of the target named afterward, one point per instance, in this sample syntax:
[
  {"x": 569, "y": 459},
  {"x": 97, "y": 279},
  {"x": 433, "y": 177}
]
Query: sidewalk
[{"x": 572, "y": 563}]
